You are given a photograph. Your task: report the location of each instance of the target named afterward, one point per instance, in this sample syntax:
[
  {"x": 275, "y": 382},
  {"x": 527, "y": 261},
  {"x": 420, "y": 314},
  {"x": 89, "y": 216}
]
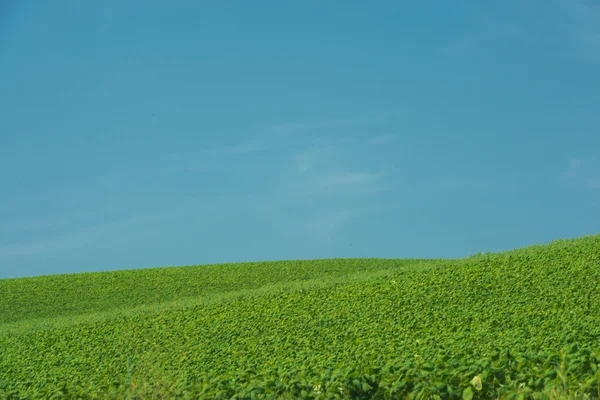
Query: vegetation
[{"x": 518, "y": 324}]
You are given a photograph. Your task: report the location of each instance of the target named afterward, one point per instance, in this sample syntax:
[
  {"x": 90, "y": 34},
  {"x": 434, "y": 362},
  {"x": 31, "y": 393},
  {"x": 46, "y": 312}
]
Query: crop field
[{"x": 521, "y": 324}]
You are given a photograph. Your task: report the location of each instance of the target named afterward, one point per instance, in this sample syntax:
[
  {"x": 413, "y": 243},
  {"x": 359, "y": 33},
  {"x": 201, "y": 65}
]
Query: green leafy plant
[{"x": 523, "y": 324}]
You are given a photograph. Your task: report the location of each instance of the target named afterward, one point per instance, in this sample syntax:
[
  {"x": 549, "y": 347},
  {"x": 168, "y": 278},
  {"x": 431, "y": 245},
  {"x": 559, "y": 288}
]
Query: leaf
[
  {"x": 467, "y": 394},
  {"x": 476, "y": 382}
]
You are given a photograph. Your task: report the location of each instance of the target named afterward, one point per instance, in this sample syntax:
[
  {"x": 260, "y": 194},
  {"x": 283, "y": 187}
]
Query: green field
[{"x": 519, "y": 324}]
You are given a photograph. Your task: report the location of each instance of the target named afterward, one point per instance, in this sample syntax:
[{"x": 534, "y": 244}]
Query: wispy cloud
[
  {"x": 574, "y": 167},
  {"x": 326, "y": 225},
  {"x": 273, "y": 136},
  {"x": 319, "y": 191},
  {"x": 568, "y": 27},
  {"x": 94, "y": 233},
  {"x": 43, "y": 223},
  {"x": 318, "y": 182},
  {"x": 71, "y": 240},
  {"x": 326, "y": 169},
  {"x": 594, "y": 182},
  {"x": 307, "y": 160},
  {"x": 583, "y": 171}
]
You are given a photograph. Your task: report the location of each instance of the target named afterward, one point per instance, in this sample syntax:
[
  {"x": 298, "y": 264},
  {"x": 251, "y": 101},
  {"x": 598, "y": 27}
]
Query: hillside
[
  {"x": 73, "y": 295},
  {"x": 518, "y": 323}
]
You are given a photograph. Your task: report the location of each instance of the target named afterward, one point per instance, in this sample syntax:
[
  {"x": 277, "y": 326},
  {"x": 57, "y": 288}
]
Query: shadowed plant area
[{"x": 522, "y": 324}]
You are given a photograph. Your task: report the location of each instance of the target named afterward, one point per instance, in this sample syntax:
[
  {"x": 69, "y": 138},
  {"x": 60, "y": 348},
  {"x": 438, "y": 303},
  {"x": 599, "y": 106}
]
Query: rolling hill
[{"x": 518, "y": 324}]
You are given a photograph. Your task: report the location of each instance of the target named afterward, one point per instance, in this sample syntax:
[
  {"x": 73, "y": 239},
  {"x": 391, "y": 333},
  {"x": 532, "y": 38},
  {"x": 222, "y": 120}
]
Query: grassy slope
[
  {"x": 358, "y": 328},
  {"x": 51, "y": 296}
]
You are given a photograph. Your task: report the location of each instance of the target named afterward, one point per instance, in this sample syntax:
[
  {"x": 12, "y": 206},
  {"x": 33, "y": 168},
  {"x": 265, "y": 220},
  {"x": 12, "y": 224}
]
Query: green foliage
[
  {"x": 523, "y": 324},
  {"x": 75, "y": 294}
]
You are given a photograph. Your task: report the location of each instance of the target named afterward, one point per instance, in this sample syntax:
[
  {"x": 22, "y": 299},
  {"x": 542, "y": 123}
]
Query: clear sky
[{"x": 138, "y": 134}]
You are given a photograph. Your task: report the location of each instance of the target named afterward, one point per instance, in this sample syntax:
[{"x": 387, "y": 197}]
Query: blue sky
[{"x": 138, "y": 134}]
